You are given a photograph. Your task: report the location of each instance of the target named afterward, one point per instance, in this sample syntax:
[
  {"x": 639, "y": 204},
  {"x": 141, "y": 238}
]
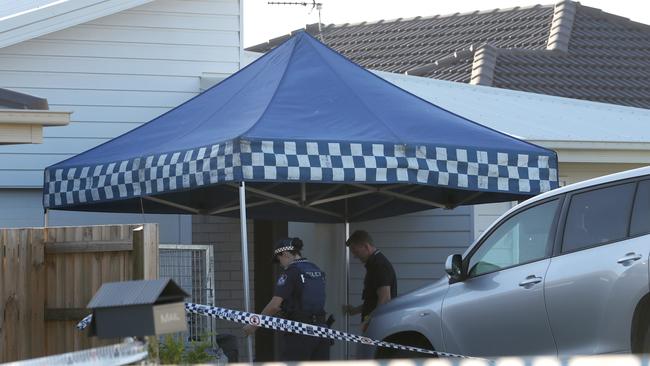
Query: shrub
[{"x": 174, "y": 351}]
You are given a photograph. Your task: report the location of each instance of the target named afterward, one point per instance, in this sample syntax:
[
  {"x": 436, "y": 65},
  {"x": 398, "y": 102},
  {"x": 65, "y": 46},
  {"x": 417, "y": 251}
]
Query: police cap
[{"x": 286, "y": 245}]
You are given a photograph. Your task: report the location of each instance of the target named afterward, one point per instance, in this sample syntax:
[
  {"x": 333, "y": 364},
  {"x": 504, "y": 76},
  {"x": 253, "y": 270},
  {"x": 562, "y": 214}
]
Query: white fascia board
[
  {"x": 34, "y": 117},
  {"x": 63, "y": 15},
  {"x": 604, "y": 156},
  {"x": 599, "y": 152},
  {"x": 591, "y": 145}
]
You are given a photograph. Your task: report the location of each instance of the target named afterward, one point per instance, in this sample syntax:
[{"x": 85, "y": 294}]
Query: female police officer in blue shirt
[{"x": 299, "y": 295}]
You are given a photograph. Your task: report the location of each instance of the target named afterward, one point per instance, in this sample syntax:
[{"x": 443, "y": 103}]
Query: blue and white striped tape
[
  {"x": 291, "y": 326},
  {"x": 85, "y": 322}
]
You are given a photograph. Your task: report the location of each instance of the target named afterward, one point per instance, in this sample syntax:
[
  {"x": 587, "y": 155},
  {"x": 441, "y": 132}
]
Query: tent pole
[
  {"x": 347, "y": 287},
  {"x": 244, "y": 259}
]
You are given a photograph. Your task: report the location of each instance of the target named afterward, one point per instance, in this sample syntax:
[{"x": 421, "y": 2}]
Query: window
[
  {"x": 524, "y": 237},
  {"x": 598, "y": 217},
  {"x": 641, "y": 215}
]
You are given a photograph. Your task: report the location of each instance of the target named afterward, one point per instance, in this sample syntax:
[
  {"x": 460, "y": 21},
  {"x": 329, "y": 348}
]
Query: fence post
[
  {"x": 145, "y": 252},
  {"x": 145, "y": 257},
  {"x": 138, "y": 253}
]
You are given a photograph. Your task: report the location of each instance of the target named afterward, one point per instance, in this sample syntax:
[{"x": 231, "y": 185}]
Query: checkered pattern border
[
  {"x": 291, "y": 326},
  {"x": 301, "y": 161}
]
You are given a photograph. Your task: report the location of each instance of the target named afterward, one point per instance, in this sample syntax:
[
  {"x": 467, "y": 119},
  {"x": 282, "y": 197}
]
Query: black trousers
[{"x": 296, "y": 347}]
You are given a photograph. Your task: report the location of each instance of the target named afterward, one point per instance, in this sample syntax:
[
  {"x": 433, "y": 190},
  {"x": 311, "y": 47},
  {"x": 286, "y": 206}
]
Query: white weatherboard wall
[
  {"x": 113, "y": 73},
  {"x": 417, "y": 245},
  {"x": 24, "y": 208}
]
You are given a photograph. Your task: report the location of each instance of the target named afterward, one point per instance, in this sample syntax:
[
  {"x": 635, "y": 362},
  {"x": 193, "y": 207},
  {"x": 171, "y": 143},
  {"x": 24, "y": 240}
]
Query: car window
[
  {"x": 524, "y": 237},
  {"x": 641, "y": 214},
  {"x": 598, "y": 217}
]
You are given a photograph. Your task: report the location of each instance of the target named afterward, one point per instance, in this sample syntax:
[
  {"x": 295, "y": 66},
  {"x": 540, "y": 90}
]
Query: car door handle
[
  {"x": 629, "y": 257},
  {"x": 530, "y": 280}
]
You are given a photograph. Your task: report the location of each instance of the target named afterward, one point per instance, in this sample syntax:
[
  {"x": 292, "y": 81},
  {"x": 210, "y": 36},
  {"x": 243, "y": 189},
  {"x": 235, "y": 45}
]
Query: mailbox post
[{"x": 138, "y": 309}]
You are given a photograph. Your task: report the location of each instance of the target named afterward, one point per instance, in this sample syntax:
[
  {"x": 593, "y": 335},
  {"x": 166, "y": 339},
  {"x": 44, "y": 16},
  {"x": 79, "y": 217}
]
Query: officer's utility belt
[{"x": 309, "y": 318}]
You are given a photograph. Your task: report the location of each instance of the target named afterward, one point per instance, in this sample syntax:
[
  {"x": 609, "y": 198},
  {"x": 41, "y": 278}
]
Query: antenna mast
[{"x": 314, "y": 5}]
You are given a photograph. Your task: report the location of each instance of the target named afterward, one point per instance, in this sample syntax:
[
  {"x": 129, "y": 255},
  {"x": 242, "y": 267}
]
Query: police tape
[
  {"x": 118, "y": 354},
  {"x": 270, "y": 322}
]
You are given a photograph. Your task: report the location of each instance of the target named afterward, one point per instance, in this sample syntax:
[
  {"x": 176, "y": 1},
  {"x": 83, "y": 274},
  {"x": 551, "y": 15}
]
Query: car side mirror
[{"x": 454, "y": 267}]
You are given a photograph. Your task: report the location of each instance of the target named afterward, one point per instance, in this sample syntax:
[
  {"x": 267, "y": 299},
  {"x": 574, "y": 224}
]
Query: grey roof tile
[{"x": 607, "y": 58}]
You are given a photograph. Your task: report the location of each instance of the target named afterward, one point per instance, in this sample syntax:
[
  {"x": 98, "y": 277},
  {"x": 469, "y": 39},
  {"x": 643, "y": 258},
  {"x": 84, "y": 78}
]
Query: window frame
[
  {"x": 552, "y": 235},
  {"x": 629, "y": 226},
  {"x": 558, "y": 250}
]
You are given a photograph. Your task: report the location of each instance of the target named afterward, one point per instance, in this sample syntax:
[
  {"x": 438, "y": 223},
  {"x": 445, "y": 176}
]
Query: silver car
[{"x": 563, "y": 273}]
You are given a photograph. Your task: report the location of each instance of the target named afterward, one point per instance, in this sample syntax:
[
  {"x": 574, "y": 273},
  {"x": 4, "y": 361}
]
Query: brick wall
[{"x": 224, "y": 235}]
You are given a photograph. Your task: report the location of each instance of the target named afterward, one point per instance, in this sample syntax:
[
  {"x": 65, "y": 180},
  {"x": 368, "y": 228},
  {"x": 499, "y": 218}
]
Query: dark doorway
[{"x": 265, "y": 234}]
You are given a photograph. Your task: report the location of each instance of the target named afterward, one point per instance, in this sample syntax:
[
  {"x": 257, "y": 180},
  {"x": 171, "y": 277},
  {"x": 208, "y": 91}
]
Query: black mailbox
[{"x": 138, "y": 308}]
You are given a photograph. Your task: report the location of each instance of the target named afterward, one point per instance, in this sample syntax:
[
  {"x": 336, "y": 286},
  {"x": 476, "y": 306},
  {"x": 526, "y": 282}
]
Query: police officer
[{"x": 299, "y": 295}]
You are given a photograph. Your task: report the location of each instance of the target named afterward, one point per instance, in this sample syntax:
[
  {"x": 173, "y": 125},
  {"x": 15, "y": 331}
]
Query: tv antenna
[{"x": 314, "y": 5}]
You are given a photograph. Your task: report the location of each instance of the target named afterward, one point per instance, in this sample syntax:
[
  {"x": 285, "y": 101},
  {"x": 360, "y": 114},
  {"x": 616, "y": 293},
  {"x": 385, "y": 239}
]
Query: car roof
[{"x": 639, "y": 172}]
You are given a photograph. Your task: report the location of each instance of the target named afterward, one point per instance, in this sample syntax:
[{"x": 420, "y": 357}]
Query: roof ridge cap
[
  {"x": 561, "y": 26},
  {"x": 483, "y": 65},
  {"x": 437, "y": 16},
  {"x": 485, "y": 60}
]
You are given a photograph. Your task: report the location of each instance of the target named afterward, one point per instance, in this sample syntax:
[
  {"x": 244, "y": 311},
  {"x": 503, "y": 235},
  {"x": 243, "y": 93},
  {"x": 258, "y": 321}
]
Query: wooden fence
[{"x": 48, "y": 276}]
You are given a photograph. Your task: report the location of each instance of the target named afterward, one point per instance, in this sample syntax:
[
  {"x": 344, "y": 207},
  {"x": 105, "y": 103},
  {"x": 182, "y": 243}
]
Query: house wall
[
  {"x": 577, "y": 172},
  {"x": 24, "y": 208},
  {"x": 115, "y": 73},
  {"x": 417, "y": 245},
  {"x": 224, "y": 234},
  {"x": 484, "y": 215}
]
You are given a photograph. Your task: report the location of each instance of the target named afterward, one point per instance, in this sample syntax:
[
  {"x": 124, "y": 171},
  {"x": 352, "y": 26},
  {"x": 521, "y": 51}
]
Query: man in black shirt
[{"x": 379, "y": 284}]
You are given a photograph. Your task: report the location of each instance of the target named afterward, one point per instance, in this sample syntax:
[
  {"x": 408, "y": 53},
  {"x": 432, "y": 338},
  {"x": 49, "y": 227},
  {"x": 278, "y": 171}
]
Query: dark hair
[{"x": 359, "y": 237}]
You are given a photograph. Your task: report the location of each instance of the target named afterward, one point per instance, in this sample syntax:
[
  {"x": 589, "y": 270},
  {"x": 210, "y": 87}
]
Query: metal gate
[{"x": 191, "y": 267}]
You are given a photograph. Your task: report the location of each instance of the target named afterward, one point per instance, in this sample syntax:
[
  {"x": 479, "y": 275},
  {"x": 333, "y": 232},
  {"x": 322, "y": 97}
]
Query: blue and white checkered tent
[{"x": 314, "y": 137}]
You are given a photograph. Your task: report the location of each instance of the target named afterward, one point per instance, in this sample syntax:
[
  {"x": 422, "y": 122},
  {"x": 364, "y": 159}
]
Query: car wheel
[
  {"x": 641, "y": 327},
  {"x": 645, "y": 342}
]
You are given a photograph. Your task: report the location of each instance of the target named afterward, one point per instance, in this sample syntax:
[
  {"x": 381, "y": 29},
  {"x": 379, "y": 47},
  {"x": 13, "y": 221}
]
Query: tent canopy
[{"x": 316, "y": 138}]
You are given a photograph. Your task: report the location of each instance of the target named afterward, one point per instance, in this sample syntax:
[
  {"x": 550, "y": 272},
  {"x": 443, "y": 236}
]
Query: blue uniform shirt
[{"x": 302, "y": 288}]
